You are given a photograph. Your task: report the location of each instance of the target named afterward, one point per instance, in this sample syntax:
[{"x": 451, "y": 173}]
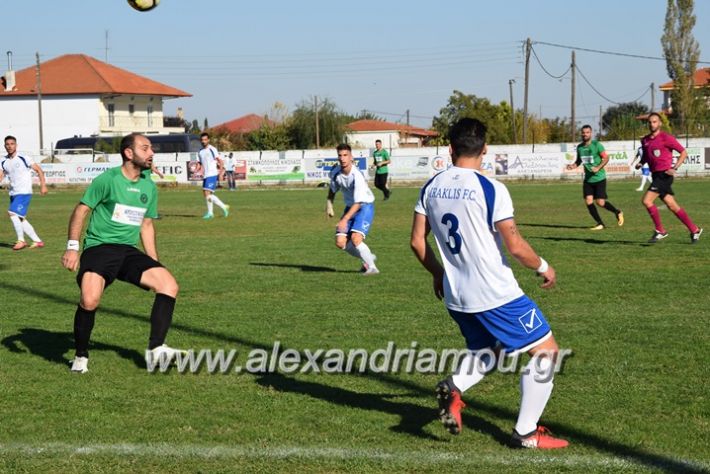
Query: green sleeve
[
  {"x": 152, "y": 211},
  {"x": 98, "y": 190},
  {"x": 600, "y": 148},
  {"x": 387, "y": 155}
]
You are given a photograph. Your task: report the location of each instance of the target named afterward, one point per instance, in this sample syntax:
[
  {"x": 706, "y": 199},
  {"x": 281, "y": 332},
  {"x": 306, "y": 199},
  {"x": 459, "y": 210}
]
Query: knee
[
  {"x": 168, "y": 287},
  {"x": 90, "y": 302},
  {"x": 601, "y": 202},
  {"x": 341, "y": 244},
  {"x": 356, "y": 239}
]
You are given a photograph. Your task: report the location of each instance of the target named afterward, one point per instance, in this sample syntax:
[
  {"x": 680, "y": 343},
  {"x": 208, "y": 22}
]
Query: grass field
[{"x": 634, "y": 397}]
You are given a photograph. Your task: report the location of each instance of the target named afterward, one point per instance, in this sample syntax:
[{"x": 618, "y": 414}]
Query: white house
[
  {"x": 81, "y": 96},
  {"x": 363, "y": 133}
]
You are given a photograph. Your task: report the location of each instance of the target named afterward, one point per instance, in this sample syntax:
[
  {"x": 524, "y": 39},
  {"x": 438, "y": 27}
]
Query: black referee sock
[
  {"x": 160, "y": 318},
  {"x": 594, "y": 213},
  {"x": 83, "y": 324},
  {"x": 610, "y": 207}
]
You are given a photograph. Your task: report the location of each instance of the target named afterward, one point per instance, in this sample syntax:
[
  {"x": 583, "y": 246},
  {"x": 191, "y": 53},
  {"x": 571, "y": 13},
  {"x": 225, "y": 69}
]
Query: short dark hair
[
  {"x": 586, "y": 125},
  {"x": 344, "y": 146},
  {"x": 467, "y": 137},
  {"x": 10, "y": 137},
  {"x": 378, "y": 141},
  {"x": 656, "y": 114},
  {"x": 204, "y": 134},
  {"x": 127, "y": 142}
]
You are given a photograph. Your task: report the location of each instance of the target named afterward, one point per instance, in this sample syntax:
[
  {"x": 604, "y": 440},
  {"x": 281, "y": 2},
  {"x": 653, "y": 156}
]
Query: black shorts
[
  {"x": 381, "y": 180},
  {"x": 113, "y": 261},
  {"x": 661, "y": 183},
  {"x": 598, "y": 190}
]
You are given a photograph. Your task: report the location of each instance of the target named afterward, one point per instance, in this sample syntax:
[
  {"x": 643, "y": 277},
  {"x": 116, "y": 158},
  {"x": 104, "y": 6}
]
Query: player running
[
  {"x": 122, "y": 202},
  {"x": 18, "y": 169},
  {"x": 592, "y": 155},
  {"x": 359, "y": 211},
  {"x": 470, "y": 216},
  {"x": 209, "y": 159},
  {"x": 657, "y": 151}
]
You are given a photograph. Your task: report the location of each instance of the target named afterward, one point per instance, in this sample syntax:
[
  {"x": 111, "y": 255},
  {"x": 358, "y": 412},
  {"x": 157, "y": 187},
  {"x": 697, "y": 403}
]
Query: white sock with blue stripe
[
  {"x": 29, "y": 230},
  {"x": 471, "y": 370},
  {"x": 17, "y": 224}
]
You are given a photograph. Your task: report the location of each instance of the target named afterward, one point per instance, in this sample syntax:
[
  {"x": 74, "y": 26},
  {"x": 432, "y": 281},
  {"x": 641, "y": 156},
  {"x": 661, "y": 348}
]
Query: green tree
[
  {"x": 302, "y": 129},
  {"x": 460, "y": 105},
  {"x": 682, "y": 52},
  {"x": 269, "y": 137},
  {"x": 620, "y": 122},
  {"x": 205, "y": 125},
  {"x": 195, "y": 128}
]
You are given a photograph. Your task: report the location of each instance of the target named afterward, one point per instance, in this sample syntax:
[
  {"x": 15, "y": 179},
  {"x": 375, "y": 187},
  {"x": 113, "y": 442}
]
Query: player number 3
[{"x": 454, "y": 241}]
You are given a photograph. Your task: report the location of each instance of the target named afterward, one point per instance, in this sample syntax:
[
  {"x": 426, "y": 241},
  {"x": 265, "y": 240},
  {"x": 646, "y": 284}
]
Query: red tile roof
[
  {"x": 247, "y": 123},
  {"x": 382, "y": 126},
  {"x": 79, "y": 74},
  {"x": 701, "y": 79}
]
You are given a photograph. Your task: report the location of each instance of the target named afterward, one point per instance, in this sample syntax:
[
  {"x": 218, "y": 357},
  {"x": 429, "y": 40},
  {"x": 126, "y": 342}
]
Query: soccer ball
[{"x": 143, "y": 5}]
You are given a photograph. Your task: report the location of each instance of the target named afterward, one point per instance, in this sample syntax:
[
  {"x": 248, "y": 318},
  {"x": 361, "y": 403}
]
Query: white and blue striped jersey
[
  {"x": 208, "y": 160},
  {"x": 462, "y": 207},
  {"x": 19, "y": 172},
  {"x": 354, "y": 185}
]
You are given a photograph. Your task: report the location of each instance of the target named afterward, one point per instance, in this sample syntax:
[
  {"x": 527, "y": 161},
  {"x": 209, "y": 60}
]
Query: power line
[
  {"x": 602, "y": 95},
  {"x": 612, "y": 53},
  {"x": 546, "y": 71}
]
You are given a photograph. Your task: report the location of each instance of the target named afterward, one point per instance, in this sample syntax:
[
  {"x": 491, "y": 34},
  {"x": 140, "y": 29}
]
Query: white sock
[
  {"x": 219, "y": 202},
  {"x": 535, "y": 387},
  {"x": 470, "y": 371},
  {"x": 17, "y": 224},
  {"x": 210, "y": 207},
  {"x": 29, "y": 230},
  {"x": 366, "y": 255},
  {"x": 352, "y": 250}
]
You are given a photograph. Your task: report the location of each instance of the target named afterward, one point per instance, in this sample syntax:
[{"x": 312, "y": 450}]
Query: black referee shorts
[
  {"x": 661, "y": 183},
  {"x": 598, "y": 190},
  {"x": 116, "y": 261}
]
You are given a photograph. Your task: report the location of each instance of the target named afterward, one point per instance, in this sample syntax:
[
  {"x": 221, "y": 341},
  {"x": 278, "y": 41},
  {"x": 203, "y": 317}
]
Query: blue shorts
[
  {"x": 646, "y": 171},
  {"x": 361, "y": 221},
  {"x": 518, "y": 325},
  {"x": 209, "y": 184},
  {"x": 19, "y": 203}
]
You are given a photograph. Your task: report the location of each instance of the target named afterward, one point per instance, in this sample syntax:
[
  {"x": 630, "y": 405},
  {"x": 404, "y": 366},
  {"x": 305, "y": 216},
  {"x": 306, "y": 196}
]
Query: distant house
[
  {"x": 701, "y": 79},
  {"x": 245, "y": 124},
  {"x": 81, "y": 96},
  {"x": 363, "y": 133}
]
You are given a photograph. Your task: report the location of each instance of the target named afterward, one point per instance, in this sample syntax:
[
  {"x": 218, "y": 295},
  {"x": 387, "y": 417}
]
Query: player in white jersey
[
  {"x": 359, "y": 212},
  {"x": 18, "y": 169},
  {"x": 209, "y": 159},
  {"x": 471, "y": 216}
]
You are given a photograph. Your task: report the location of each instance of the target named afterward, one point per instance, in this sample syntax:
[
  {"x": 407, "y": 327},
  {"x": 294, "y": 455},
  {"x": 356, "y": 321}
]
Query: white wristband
[
  {"x": 73, "y": 245},
  {"x": 543, "y": 266}
]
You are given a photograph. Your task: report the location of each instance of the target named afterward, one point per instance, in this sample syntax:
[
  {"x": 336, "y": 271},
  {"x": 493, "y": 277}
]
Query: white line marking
[{"x": 512, "y": 458}]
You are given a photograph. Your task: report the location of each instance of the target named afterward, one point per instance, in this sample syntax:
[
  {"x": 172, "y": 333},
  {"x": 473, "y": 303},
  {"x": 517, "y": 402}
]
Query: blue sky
[{"x": 239, "y": 57}]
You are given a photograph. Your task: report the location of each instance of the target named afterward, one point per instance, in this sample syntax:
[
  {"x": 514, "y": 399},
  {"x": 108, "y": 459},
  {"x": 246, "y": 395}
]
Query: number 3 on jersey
[{"x": 454, "y": 241}]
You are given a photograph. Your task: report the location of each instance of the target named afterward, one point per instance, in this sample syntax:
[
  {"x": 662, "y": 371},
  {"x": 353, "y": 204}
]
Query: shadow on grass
[
  {"x": 590, "y": 240},
  {"x": 410, "y": 423},
  {"x": 7, "y": 246},
  {"x": 167, "y": 214},
  {"x": 51, "y": 346},
  {"x": 303, "y": 268},
  {"x": 552, "y": 226}
]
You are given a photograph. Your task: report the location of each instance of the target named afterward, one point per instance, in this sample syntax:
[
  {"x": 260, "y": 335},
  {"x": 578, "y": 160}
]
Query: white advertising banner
[{"x": 530, "y": 164}]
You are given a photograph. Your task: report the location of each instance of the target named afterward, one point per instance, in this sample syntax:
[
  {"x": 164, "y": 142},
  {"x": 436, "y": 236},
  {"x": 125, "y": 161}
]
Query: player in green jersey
[
  {"x": 592, "y": 155},
  {"x": 122, "y": 203}
]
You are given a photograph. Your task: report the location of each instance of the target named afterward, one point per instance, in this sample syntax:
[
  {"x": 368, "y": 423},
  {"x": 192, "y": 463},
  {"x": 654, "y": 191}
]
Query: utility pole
[
  {"x": 512, "y": 114},
  {"x": 106, "y": 48},
  {"x": 39, "y": 104},
  {"x": 528, "y": 47},
  {"x": 653, "y": 97},
  {"x": 406, "y": 134},
  {"x": 573, "y": 126},
  {"x": 317, "y": 124}
]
